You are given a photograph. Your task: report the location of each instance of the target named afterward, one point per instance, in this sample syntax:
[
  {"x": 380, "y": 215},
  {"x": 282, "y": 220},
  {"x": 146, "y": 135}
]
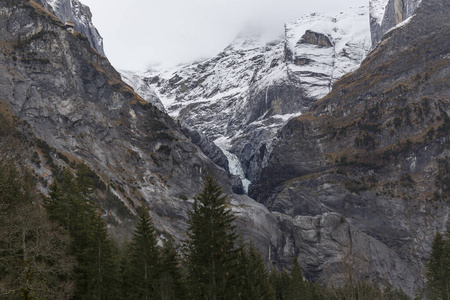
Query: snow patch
[
  {"x": 401, "y": 24},
  {"x": 377, "y": 9},
  {"x": 52, "y": 3}
]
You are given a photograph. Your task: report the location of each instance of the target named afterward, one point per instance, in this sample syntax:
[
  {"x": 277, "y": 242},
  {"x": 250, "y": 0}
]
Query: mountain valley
[{"x": 331, "y": 142}]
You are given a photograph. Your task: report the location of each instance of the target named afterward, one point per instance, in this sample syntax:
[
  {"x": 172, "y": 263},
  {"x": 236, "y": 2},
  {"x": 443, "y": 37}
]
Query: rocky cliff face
[
  {"x": 78, "y": 13},
  {"x": 363, "y": 177},
  {"x": 358, "y": 184},
  {"x": 386, "y": 14},
  {"x": 241, "y": 97},
  {"x": 75, "y": 101}
]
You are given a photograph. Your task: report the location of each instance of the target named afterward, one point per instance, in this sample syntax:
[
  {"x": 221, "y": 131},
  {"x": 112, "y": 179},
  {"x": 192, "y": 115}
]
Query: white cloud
[{"x": 138, "y": 33}]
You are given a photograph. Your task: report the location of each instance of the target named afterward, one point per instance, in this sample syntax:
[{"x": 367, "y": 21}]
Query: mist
[{"x": 142, "y": 33}]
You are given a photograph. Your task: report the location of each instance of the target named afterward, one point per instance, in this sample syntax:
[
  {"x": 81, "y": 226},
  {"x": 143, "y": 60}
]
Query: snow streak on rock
[
  {"x": 386, "y": 14},
  {"x": 377, "y": 9},
  {"x": 141, "y": 86}
]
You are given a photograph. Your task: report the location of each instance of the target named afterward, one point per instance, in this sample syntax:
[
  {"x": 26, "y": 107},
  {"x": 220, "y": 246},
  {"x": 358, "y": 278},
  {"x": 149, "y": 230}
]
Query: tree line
[{"x": 58, "y": 247}]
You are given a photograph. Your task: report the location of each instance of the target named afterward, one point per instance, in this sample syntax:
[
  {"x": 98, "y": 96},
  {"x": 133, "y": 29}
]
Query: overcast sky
[{"x": 140, "y": 33}]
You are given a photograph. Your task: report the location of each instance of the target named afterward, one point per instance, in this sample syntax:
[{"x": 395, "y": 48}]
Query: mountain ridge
[
  {"x": 253, "y": 86},
  {"x": 375, "y": 148},
  {"x": 76, "y": 12},
  {"x": 76, "y": 103}
]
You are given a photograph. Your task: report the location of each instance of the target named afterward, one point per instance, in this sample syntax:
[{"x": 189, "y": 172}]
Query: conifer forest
[{"x": 58, "y": 247}]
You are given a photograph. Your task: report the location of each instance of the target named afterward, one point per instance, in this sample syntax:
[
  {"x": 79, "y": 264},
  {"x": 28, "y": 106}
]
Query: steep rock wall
[
  {"x": 74, "y": 100},
  {"x": 385, "y": 15},
  {"x": 374, "y": 151},
  {"x": 78, "y": 13}
]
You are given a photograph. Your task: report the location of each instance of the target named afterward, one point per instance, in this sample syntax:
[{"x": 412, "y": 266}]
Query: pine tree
[
  {"x": 101, "y": 259},
  {"x": 71, "y": 204},
  {"x": 210, "y": 249},
  {"x": 124, "y": 266},
  {"x": 141, "y": 274},
  {"x": 296, "y": 286},
  {"x": 171, "y": 285},
  {"x": 438, "y": 273},
  {"x": 293, "y": 286},
  {"x": 279, "y": 283},
  {"x": 34, "y": 263},
  {"x": 72, "y": 207},
  {"x": 256, "y": 278},
  {"x": 313, "y": 290}
]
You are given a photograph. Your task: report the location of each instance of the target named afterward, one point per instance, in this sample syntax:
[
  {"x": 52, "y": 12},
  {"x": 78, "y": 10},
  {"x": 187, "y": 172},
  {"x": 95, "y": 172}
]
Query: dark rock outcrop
[
  {"x": 358, "y": 184},
  {"x": 208, "y": 147},
  {"x": 330, "y": 247},
  {"x": 314, "y": 38}
]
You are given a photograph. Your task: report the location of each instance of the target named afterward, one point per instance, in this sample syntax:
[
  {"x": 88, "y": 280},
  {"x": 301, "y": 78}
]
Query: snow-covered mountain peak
[
  {"x": 243, "y": 95},
  {"x": 253, "y": 38},
  {"x": 52, "y": 2},
  {"x": 245, "y": 42},
  {"x": 331, "y": 45}
]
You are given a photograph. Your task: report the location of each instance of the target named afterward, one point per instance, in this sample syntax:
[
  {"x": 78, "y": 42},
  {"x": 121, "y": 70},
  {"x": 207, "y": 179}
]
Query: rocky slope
[
  {"x": 372, "y": 156},
  {"x": 76, "y": 103},
  {"x": 78, "y": 13},
  {"x": 358, "y": 184},
  {"x": 241, "y": 97}
]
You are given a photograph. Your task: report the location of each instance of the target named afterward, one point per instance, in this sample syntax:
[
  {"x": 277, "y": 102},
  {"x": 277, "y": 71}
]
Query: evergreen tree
[
  {"x": 256, "y": 278},
  {"x": 124, "y": 266},
  {"x": 211, "y": 255},
  {"x": 171, "y": 285},
  {"x": 101, "y": 257},
  {"x": 296, "y": 286},
  {"x": 293, "y": 286},
  {"x": 438, "y": 273},
  {"x": 71, "y": 204},
  {"x": 34, "y": 263},
  {"x": 313, "y": 290},
  {"x": 142, "y": 272},
  {"x": 279, "y": 283}
]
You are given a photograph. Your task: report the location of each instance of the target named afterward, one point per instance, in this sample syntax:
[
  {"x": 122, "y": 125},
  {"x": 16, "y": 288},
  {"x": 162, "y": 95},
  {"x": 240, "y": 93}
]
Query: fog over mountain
[{"x": 177, "y": 31}]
